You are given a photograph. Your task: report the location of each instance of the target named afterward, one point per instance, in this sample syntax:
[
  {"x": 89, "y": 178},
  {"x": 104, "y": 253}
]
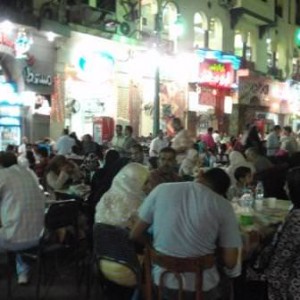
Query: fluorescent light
[
  {"x": 6, "y": 26},
  {"x": 51, "y": 36}
]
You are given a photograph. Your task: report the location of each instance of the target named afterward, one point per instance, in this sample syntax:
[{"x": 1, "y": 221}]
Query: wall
[{"x": 188, "y": 10}]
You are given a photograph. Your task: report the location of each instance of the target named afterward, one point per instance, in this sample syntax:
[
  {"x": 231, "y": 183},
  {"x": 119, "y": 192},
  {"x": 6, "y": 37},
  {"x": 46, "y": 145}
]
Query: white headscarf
[
  {"x": 119, "y": 205},
  {"x": 237, "y": 160}
]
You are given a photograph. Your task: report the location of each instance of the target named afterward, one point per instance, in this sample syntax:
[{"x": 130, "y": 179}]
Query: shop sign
[
  {"x": 216, "y": 74},
  {"x": 207, "y": 97},
  {"x": 6, "y": 45},
  {"x": 37, "y": 78},
  {"x": 262, "y": 91}
]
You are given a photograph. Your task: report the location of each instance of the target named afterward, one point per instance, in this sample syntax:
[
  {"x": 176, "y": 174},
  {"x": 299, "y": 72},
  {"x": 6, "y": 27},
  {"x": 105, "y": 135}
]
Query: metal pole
[{"x": 156, "y": 106}]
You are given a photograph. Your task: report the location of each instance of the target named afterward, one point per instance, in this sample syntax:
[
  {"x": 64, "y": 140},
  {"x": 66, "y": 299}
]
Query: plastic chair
[
  {"x": 115, "y": 257},
  {"x": 176, "y": 266},
  {"x": 61, "y": 215}
]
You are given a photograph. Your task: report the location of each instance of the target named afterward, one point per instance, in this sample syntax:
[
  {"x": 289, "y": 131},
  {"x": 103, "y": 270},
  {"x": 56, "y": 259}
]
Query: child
[{"x": 243, "y": 176}]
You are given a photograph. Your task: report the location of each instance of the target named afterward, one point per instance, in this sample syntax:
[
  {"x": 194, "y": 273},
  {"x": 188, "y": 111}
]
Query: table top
[
  {"x": 265, "y": 221},
  {"x": 267, "y": 214},
  {"x": 80, "y": 190}
]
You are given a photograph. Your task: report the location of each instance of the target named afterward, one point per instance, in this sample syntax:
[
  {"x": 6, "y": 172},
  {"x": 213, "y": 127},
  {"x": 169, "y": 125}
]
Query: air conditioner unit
[{"x": 228, "y": 3}]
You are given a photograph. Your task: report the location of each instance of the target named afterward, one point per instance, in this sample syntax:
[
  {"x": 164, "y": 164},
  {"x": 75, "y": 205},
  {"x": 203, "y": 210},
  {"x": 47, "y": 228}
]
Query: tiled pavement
[{"x": 63, "y": 287}]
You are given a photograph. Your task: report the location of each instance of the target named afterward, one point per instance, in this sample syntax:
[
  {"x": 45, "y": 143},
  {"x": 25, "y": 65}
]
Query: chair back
[
  {"x": 176, "y": 266},
  {"x": 114, "y": 250},
  {"x": 62, "y": 214}
]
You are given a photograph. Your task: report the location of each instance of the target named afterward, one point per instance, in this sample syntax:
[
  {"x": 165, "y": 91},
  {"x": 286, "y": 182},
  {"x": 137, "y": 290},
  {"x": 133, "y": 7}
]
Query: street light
[{"x": 177, "y": 28}]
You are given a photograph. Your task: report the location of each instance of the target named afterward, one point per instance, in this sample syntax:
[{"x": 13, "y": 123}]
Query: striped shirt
[{"x": 22, "y": 208}]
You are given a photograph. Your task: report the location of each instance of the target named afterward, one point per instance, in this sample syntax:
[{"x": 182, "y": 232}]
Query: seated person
[
  {"x": 165, "y": 171},
  {"x": 100, "y": 176},
  {"x": 137, "y": 154},
  {"x": 209, "y": 158},
  {"x": 119, "y": 205},
  {"x": 186, "y": 169},
  {"x": 27, "y": 160},
  {"x": 61, "y": 173},
  {"x": 191, "y": 219},
  {"x": 237, "y": 159},
  {"x": 243, "y": 177},
  {"x": 43, "y": 157},
  {"x": 222, "y": 156},
  {"x": 22, "y": 210},
  {"x": 152, "y": 163},
  {"x": 281, "y": 257},
  {"x": 260, "y": 162}
]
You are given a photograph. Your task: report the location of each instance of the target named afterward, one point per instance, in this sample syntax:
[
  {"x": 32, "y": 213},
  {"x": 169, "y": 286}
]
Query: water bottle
[
  {"x": 246, "y": 217},
  {"x": 259, "y": 196},
  {"x": 259, "y": 191}
]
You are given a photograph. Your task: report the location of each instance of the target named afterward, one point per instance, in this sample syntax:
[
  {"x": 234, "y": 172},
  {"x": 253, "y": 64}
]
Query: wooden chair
[{"x": 176, "y": 266}]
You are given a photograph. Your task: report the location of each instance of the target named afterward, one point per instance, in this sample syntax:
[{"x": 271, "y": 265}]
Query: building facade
[{"x": 231, "y": 41}]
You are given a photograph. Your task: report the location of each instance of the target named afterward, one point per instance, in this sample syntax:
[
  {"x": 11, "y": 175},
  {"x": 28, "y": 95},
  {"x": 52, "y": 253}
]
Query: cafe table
[
  {"x": 78, "y": 191},
  {"x": 265, "y": 221}
]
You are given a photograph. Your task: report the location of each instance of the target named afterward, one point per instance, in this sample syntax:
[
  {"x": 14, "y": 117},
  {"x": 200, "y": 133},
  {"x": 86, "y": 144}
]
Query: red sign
[
  {"x": 207, "y": 97},
  {"x": 216, "y": 74},
  {"x": 6, "y": 45}
]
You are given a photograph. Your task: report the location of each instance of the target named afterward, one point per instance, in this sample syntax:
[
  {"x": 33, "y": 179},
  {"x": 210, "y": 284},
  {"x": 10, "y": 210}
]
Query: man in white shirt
[
  {"x": 182, "y": 141},
  {"x": 192, "y": 219},
  {"x": 118, "y": 139},
  {"x": 22, "y": 208},
  {"x": 288, "y": 141},
  {"x": 65, "y": 143},
  {"x": 157, "y": 144},
  {"x": 273, "y": 141},
  {"x": 22, "y": 148}
]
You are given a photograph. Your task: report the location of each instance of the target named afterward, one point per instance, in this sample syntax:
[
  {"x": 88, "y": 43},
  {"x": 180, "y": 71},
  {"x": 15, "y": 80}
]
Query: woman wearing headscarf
[
  {"x": 118, "y": 206},
  {"x": 237, "y": 159},
  {"x": 115, "y": 214}
]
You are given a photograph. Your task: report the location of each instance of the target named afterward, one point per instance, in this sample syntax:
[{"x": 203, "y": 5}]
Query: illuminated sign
[
  {"x": 22, "y": 44},
  {"x": 93, "y": 67},
  {"x": 8, "y": 94},
  {"x": 219, "y": 56},
  {"x": 216, "y": 74},
  {"x": 37, "y": 78},
  {"x": 6, "y": 45}
]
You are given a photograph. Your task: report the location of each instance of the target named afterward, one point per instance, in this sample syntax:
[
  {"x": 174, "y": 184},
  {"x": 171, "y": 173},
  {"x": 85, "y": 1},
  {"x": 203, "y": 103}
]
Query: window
[
  {"x": 148, "y": 13},
  {"x": 239, "y": 45},
  {"x": 215, "y": 32},
  {"x": 200, "y": 28},
  {"x": 109, "y": 5},
  {"x": 169, "y": 18},
  {"x": 279, "y": 8},
  {"x": 297, "y": 12}
]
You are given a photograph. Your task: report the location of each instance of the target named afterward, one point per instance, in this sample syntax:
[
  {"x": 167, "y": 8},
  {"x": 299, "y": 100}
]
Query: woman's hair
[
  {"x": 293, "y": 184},
  {"x": 241, "y": 172},
  {"x": 55, "y": 163}
]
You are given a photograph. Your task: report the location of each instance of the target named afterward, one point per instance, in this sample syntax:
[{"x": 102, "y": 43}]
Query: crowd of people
[{"x": 179, "y": 189}]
